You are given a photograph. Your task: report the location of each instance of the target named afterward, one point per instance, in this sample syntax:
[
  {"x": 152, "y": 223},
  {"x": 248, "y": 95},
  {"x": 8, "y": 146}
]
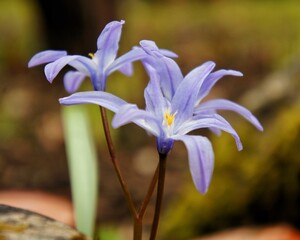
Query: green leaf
[{"x": 82, "y": 161}]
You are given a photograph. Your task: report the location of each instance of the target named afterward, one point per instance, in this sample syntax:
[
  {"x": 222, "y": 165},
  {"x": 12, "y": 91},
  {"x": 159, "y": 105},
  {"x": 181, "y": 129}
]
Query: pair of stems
[{"x": 159, "y": 176}]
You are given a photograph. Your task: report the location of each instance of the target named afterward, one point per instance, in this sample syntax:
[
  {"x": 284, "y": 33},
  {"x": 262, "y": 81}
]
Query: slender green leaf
[{"x": 82, "y": 161}]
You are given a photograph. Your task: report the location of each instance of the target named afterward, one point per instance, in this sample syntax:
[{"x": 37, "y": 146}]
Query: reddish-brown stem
[
  {"x": 159, "y": 173},
  {"x": 159, "y": 196},
  {"x": 115, "y": 163},
  {"x": 149, "y": 193}
]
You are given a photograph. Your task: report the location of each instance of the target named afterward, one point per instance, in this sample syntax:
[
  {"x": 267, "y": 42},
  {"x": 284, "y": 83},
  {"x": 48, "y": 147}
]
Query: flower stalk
[
  {"x": 137, "y": 216},
  {"x": 159, "y": 196},
  {"x": 148, "y": 196},
  {"x": 115, "y": 163},
  {"x": 174, "y": 107}
]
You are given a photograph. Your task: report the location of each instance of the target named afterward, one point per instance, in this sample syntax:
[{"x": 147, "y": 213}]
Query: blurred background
[{"x": 259, "y": 186}]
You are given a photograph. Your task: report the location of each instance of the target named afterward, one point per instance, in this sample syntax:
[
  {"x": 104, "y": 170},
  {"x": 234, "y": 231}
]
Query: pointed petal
[
  {"x": 212, "y": 79},
  {"x": 171, "y": 77},
  {"x": 82, "y": 64},
  {"x": 215, "y": 131},
  {"x": 186, "y": 94},
  {"x": 123, "y": 63},
  {"x": 155, "y": 102},
  {"x": 108, "y": 43},
  {"x": 151, "y": 48},
  {"x": 170, "y": 73},
  {"x": 168, "y": 53},
  {"x": 201, "y": 160},
  {"x": 126, "y": 69},
  {"x": 46, "y": 57},
  {"x": 100, "y": 98},
  {"x": 130, "y": 113},
  {"x": 210, "y": 121},
  {"x": 73, "y": 80},
  {"x": 224, "y": 104}
]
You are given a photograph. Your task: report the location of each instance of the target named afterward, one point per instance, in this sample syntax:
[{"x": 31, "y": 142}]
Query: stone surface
[
  {"x": 17, "y": 223},
  {"x": 51, "y": 205}
]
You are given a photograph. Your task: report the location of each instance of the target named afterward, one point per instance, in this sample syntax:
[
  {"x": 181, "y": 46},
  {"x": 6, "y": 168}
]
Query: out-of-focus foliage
[
  {"x": 18, "y": 32},
  {"x": 18, "y": 38},
  {"x": 253, "y": 37},
  {"x": 29, "y": 131},
  {"x": 259, "y": 185}
]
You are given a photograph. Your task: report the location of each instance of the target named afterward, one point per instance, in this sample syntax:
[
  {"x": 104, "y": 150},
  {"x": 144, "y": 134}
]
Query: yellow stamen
[
  {"x": 169, "y": 118},
  {"x": 92, "y": 55}
]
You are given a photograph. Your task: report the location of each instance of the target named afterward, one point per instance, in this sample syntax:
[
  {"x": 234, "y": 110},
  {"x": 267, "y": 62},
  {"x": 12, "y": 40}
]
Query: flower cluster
[{"x": 173, "y": 102}]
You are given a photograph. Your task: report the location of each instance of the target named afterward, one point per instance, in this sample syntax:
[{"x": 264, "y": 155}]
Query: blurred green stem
[{"x": 159, "y": 196}]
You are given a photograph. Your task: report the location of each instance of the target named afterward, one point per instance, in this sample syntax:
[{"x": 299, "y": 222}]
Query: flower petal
[
  {"x": 224, "y": 104},
  {"x": 169, "y": 71},
  {"x": 82, "y": 64},
  {"x": 170, "y": 74},
  {"x": 171, "y": 77},
  {"x": 151, "y": 48},
  {"x": 73, "y": 80},
  {"x": 201, "y": 160},
  {"x": 212, "y": 79},
  {"x": 155, "y": 102},
  {"x": 123, "y": 63},
  {"x": 108, "y": 43},
  {"x": 186, "y": 94},
  {"x": 130, "y": 113},
  {"x": 168, "y": 53},
  {"x": 126, "y": 69},
  {"x": 100, "y": 98},
  {"x": 210, "y": 121},
  {"x": 46, "y": 57}
]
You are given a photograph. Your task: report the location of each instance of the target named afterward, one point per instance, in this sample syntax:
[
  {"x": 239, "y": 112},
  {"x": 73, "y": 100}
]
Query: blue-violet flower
[
  {"x": 174, "y": 108},
  {"x": 102, "y": 63}
]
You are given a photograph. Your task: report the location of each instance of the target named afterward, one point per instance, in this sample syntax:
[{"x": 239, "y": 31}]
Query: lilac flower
[
  {"x": 98, "y": 67},
  {"x": 174, "y": 108}
]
